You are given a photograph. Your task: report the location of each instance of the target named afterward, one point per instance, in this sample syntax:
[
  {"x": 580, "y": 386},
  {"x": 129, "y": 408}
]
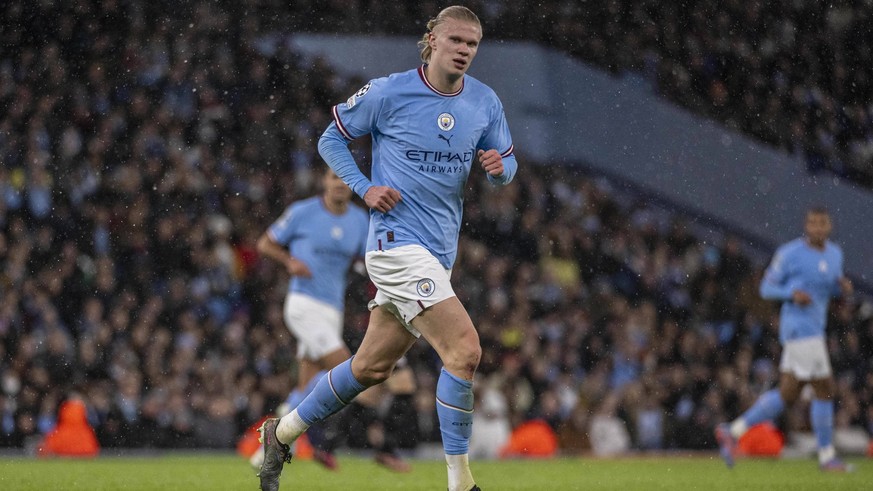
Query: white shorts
[
  {"x": 806, "y": 359},
  {"x": 408, "y": 280},
  {"x": 317, "y": 326}
]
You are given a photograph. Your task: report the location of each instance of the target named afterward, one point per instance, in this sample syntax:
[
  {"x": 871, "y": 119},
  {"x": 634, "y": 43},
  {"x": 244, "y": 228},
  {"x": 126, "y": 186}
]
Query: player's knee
[
  {"x": 789, "y": 395},
  {"x": 374, "y": 374},
  {"x": 464, "y": 359},
  {"x": 824, "y": 389}
]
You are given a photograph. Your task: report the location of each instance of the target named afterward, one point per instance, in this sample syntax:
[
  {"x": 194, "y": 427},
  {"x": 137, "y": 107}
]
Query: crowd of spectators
[
  {"x": 145, "y": 148},
  {"x": 794, "y": 74},
  {"x": 797, "y": 75}
]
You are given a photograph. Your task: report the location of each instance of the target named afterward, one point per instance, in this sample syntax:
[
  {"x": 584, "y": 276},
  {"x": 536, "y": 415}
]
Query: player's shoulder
[
  {"x": 833, "y": 248},
  {"x": 479, "y": 88},
  {"x": 306, "y": 205},
  {"x": 792, "y": 246},
  {"x": 381, "y": 88},
  {"x": 392, "y": 82},
  {"x": 404, "y": 77}
]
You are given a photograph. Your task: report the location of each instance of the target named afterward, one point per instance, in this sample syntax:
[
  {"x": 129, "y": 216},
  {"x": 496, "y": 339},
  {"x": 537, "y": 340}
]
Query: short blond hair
[{"x": 456, "y": 12}]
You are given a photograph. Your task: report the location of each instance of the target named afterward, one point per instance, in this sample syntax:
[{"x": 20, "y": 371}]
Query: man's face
[
  {"x": 334, "y": 187},
  {"x": 817, "y": 227},
  {"x": 454, "y": 44}
]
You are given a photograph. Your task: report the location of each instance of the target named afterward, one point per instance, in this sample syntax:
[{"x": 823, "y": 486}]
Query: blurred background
[{"x": 665, "y": 150}]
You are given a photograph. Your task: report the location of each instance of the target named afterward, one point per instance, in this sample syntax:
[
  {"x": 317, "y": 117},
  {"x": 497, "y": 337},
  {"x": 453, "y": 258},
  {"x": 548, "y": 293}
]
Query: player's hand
[
  {"x": 491, "y": 161},
  {"x": 297, "y": 267},
  {"x": 382, "y": 198},
  {"x": 800, "y": 297},
  {"x": 846, "y": 286}
]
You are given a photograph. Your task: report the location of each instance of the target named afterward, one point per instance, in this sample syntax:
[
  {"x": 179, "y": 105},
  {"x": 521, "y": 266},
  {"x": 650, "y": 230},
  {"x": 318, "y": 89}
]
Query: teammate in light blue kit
[
  {"x": 805, "y": 275},
  {"x": 429, "y": 126},
  {"x": 316, "y": 239}
]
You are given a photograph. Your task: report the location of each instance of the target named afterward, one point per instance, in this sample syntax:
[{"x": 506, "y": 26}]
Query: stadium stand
[{"x": 144, "y": 149}]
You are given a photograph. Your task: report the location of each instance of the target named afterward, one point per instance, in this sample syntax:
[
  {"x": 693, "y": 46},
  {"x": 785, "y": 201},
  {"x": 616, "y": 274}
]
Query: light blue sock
[
  {"x": 296, "y": 396},
  {"x": 766, "y": 408},
  {"x": 333, "y": 392},
  {"x": 454, "y": 406},
  {"x": 821, "y": 413}
]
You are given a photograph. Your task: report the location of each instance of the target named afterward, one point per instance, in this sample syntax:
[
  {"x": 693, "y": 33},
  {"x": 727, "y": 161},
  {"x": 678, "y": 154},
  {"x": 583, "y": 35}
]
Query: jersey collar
[{"x": 431, "y": 87}]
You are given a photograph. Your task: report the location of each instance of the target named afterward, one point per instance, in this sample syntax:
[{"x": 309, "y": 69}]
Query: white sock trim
[
  {"x": 739, "y": 428},
  {"x": 826, "y": 454},
  {"x": 290, "y": 427},
  {"x": 460, "y": 477}
]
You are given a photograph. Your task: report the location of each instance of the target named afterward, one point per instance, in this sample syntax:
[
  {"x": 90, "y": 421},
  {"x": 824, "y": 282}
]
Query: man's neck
[
  {"x": 441, "y": 81},
  {"x": 815, "y": 244},
  {"x": 335, "y": 207}
]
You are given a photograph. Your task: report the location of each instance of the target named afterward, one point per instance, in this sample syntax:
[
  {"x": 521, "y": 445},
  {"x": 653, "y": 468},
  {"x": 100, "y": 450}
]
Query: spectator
[{"x": 139, "y": 134}]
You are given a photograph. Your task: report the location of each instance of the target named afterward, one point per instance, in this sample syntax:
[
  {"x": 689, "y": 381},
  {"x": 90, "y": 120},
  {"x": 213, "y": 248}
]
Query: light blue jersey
[
  {"x": 799, "y": 266},
  {"x": 325, "y": 242},
  {"x": 424, "y": 142}
]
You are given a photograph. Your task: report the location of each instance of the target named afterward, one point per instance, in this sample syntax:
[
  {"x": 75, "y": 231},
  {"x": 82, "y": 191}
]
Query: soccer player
[
  {"x": 429, "y": 126},
  {"x": 804, "y": 275},
  {"x": 317, "y": 239}
]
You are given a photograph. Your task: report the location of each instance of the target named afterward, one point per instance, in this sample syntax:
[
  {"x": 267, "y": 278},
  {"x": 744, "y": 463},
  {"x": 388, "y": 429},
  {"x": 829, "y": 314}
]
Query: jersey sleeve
[
  {"x": 359, "y": 115},
  {"x": 284, "y": 229},
  {"x": 773, "y": 284},
  {"x": 497, "y": 137},
  {"x": 354, "y": 118}
]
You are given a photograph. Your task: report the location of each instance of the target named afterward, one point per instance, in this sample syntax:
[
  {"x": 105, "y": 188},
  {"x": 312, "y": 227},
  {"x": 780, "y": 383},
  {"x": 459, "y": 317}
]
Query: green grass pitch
[{"x": 214, "y": 472}]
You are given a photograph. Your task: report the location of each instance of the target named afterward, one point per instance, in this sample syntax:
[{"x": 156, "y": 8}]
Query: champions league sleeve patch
[{"x": 360, "y": 93}]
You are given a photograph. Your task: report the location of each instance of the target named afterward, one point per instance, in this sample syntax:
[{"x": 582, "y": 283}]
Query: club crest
[
  {"x": 446, "y": 121},
  {"x": 425, "y": 287}
]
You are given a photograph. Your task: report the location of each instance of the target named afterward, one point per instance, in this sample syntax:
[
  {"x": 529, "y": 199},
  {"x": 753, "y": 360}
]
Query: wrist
[{"x": 363, "y": 189}]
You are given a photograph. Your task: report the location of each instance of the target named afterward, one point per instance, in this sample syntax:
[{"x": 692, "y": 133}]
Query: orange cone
[
  {"x": 533, "y": 438},
  {"x": 73, "y": 436},
  {"x": 762, "y": 440}
]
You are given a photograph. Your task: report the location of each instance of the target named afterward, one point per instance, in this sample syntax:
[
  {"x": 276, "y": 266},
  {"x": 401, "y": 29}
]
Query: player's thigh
[
  {"x": 385, "y": 342},
  {"x": 317, "y": 326},
  {"x": 409, "y": 280},
  {"x": 823, "y": 387},
  {"x": 805, "y": 360},
  {"x": 789, "y": 387},
  {"x": 450, "y": 331}
]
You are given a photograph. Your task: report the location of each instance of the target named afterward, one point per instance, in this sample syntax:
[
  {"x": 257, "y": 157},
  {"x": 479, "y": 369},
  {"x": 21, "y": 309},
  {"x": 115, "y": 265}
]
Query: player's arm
[
  {"x": 500, "y": 169},
  {"x": 275, "y": 251},
  {"x": 334, "y": 149},
  {"x": 774, "y": 285},
  {"x": 846, "y": 286},
  {"x": 357, "y": 116},
  {"x": 495, "y": 152}
]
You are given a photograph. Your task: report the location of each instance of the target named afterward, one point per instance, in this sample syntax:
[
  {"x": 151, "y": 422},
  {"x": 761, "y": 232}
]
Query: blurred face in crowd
[
  {"x": 454, "y": 44},
  {"x": 817, "y": 227}
]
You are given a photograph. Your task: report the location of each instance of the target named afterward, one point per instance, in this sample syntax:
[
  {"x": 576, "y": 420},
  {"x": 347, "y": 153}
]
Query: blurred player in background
[
  {"x": 805, "y": 274},
  {"x": 317, "y": 239},
  {"x": 429, "y": 126}
]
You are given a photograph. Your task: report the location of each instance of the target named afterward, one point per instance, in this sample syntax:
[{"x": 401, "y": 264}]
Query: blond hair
[{"x": 456, "y": 12}]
